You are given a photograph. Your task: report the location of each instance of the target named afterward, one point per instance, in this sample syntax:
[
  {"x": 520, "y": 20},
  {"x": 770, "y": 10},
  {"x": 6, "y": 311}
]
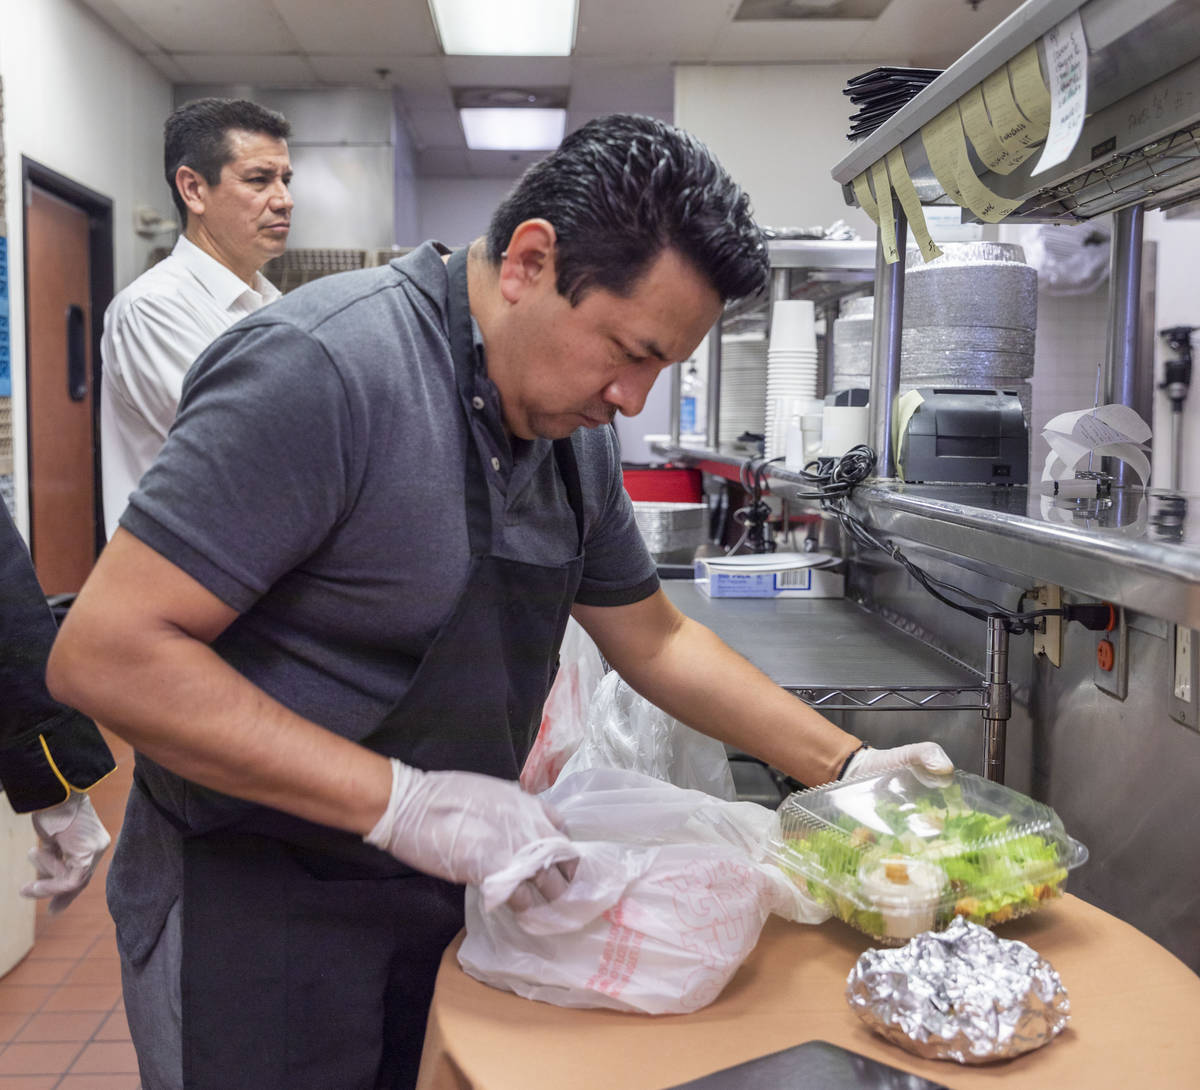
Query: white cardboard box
[{"x": 765, "y": 581}]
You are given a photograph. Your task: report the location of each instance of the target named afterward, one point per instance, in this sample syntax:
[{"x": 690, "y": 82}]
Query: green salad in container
[{"x": 894, "y": 854}]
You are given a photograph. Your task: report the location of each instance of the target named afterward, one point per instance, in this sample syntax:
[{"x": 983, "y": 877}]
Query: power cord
[
  {"x": 755, "y": 516},
  {"x": 830, "y": 481}
]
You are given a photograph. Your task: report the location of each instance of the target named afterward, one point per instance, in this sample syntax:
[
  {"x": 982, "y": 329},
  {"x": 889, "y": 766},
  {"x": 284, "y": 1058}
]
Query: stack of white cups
[{"x": 791, "y": 369}]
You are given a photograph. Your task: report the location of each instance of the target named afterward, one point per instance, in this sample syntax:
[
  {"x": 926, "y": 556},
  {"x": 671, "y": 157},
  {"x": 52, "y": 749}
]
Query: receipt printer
[{"x": 966, "y": 436}]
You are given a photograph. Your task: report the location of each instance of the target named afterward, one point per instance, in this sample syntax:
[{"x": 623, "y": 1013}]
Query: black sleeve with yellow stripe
[{"x": 46, "y": 749}]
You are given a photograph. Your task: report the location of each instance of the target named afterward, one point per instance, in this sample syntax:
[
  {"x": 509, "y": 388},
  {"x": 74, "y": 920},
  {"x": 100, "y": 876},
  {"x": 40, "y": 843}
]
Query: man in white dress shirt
[{"x": 226, "y": 161}]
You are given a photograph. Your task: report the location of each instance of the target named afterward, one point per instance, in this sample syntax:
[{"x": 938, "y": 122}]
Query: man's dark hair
[
  {"x": 197, "y": 135},
  {"x": 621, "y": 190}
]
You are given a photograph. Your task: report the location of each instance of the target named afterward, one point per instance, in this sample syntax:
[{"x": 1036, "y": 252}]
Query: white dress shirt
[{"x": 153, "y": 332}]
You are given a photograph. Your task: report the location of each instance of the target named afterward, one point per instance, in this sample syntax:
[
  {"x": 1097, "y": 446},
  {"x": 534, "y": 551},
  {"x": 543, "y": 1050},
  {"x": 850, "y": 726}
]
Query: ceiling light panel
[
  {"x": 519, "y": 28},
  {"x": 513, "y": 130}
]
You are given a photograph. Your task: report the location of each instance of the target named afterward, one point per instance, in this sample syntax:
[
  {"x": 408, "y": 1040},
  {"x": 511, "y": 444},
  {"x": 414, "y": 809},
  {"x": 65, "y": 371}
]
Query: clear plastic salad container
[{"x": 893, "y": 855}]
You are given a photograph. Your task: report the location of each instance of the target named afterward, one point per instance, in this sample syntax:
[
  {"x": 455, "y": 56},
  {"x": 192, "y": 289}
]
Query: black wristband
[{"x": 846, "y": 762}]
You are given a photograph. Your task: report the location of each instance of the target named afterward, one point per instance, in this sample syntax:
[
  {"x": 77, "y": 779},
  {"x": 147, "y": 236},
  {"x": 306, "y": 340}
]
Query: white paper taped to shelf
[
  {"x": 1114, "y": 431},
  {"x": 1067, "y": 59}
]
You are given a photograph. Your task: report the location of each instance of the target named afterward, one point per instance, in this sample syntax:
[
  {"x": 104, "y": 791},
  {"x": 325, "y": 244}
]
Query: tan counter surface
[{"x": 1135, "y": 1019}]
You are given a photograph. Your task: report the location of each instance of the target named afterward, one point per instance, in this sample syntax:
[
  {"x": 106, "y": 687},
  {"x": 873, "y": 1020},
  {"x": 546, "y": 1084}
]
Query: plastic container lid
[{"x": 894, "y": 855}]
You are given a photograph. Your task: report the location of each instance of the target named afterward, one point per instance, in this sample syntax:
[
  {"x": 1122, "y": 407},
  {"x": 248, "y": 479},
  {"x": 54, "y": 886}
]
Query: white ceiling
[{"x": 623, "y": 58}]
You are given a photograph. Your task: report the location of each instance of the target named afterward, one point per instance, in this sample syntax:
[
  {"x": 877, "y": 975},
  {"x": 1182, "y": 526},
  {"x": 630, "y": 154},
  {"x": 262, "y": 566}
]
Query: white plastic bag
[
  {"x": 669, "y": 897},
  {"x": 565, "y": 713},
  {"x": 624, "y": 730}
]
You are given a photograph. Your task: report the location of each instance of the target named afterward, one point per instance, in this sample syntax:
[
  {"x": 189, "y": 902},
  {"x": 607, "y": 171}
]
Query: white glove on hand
[
  {"x": 463, "y": 826},
  {"x": 72, "y": 841},
  {"x": 921, "y": 757}
]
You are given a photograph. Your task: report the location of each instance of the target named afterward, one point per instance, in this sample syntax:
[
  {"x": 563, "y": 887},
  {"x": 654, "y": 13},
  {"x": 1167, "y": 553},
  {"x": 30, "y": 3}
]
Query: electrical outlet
[
  {"x": 1048, "y": 639},
  {"x": 1111, "y": 672},
  {"x": 1185, "y": 690}
]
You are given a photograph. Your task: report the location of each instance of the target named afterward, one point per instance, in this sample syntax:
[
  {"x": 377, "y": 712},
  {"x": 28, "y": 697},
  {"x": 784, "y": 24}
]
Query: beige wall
[{"x": 778, "y": 129}]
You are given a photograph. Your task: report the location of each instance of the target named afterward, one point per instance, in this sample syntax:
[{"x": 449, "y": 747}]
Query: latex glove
[
  {"x": 463, "y": 826},
  {"x": 72, "y": 841},
  {"x": 921, "y": 757}
]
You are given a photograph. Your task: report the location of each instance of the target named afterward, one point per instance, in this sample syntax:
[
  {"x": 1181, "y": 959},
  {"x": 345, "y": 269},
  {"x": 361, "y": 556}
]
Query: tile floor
[{"x": 62, "y": 1022}]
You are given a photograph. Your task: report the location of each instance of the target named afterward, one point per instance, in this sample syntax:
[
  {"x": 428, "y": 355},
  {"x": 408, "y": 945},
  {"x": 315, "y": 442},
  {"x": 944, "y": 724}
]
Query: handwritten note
[
  {"x": 866, "y": 199},
  {"x": 1066, "y": 56},
  {"x": 911, "y": 203},
  {"x": 946, "y": 149},
  {"x": 887, "y": 214},
  {"x": 1012, "y": 128},
  {"x": 994, "y": 155},
  {"x": 1032, "y": 96}
]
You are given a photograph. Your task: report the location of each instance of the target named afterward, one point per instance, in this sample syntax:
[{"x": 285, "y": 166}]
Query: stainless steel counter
[
  {"x": 821, "y": 643},
  {"x": 1141, "y": 549}
]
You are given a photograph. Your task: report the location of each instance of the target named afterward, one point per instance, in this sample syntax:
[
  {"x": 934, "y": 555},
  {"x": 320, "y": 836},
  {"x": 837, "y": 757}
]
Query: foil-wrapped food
[{"x": 960, "y": 994}]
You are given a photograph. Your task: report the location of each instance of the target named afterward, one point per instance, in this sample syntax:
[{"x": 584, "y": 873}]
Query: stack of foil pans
[
  {"x": 672, "y": 531},
  {"x": 852, "y": 344},
  {"x": 970, "y": 318}
]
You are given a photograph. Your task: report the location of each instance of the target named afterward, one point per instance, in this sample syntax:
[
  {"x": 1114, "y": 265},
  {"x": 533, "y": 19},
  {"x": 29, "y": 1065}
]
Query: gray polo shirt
[{"x": 313, "y": 481}]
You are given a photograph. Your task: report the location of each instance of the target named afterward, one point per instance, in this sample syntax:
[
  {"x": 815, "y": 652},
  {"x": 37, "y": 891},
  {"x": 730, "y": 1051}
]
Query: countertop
[{"x": 1134, "y": 1013}]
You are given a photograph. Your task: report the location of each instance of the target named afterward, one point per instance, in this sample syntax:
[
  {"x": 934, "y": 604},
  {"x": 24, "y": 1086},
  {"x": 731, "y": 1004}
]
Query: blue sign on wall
[{"x": 5, "y": 355}]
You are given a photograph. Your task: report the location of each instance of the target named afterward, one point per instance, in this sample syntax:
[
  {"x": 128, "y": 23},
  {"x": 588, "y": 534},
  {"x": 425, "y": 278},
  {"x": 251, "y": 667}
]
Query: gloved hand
[
  {"x": 463, "y": 826},
  {"x": 72, "y": 840},
  {"x": 921, "y": 757}
]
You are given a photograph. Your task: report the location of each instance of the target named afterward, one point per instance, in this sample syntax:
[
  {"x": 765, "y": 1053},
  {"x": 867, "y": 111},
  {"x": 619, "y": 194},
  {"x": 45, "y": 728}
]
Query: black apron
[{"x": 309, "y": 957}]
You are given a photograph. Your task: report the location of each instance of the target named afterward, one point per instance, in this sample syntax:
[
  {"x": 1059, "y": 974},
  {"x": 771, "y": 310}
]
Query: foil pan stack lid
[{"x": 966, "y": 253}]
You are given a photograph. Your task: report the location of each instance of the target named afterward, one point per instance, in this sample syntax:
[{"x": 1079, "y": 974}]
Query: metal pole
[
  {"x": 713, "y": 389},
  {"x": 1124, "y": 301},
  {"x": 997, "y": 702},
  {"x": 885, "y": 348}
]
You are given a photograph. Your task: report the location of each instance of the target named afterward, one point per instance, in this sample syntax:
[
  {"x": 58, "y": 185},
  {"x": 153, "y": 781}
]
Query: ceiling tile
[
  {"x": 112, "y": 13},
  {"x": 682, "y": 30},
  {"x": 420, "y": 79},
  {"x": 403, "y": 27},
  {"x": 214, "y": 26},
  {"x": 272, "y": 70},
  {"x": 435, "y": 128},
  {"x": 508, "y": 71},
  {"x": 931, "y": 32}
]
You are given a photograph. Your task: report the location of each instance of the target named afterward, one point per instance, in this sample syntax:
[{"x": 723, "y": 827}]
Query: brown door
[{"x": 62, "y": 483}]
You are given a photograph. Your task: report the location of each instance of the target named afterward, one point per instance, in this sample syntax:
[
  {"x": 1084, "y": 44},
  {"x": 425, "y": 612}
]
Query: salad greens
[{"x": 993, "y": 870}]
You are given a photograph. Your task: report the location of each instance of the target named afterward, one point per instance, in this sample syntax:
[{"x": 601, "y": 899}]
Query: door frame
[{"x": 99, "y": 210}]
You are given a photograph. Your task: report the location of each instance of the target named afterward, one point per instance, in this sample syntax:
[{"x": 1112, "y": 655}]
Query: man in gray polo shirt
[{"x": 331, "y": 614}]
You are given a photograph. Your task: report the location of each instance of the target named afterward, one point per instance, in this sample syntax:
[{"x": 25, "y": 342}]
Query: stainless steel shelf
[
  {"x": 1140, "y": 550},
  {"x": 826, "y": 649},
  {"x": 1140, "y": 143},
  {"x": 822, "y": 254}
]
